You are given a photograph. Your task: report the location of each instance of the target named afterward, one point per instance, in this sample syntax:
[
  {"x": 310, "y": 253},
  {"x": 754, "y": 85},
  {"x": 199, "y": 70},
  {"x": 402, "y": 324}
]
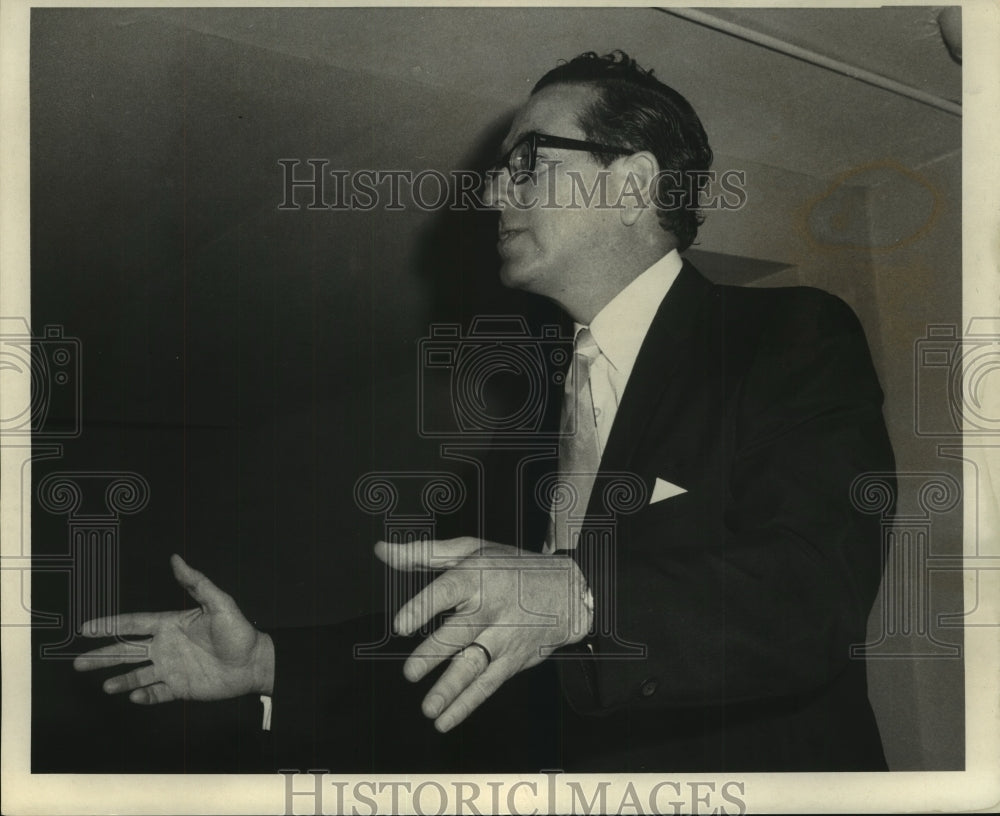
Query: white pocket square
[{"x": 664, "y": 490}]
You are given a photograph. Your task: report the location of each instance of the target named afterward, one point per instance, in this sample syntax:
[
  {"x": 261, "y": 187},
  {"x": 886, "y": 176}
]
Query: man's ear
[{"x": 637, "y": 173}]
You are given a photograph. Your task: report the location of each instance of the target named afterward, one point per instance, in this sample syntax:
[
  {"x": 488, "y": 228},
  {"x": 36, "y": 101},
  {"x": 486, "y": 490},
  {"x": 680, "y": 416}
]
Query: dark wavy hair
[{"x": 633, "y": 109}]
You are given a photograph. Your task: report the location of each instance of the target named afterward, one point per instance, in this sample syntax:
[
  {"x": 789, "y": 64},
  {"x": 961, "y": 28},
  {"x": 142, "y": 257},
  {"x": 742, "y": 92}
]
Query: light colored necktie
[{"x": 579, "y": 450}]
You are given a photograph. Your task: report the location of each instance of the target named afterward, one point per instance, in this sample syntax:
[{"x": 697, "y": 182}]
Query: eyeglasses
[{"x": 520, "y": 160}]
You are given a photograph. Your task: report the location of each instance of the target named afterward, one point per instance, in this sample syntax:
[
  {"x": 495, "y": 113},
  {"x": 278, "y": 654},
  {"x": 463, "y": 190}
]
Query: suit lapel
[{"x": 668, "y": 343}]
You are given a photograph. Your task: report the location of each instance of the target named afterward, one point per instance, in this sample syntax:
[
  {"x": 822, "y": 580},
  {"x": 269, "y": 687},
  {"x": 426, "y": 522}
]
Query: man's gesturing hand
[
  {"x": 208, "y": 653},
  {"x": 520, "y": 607}
]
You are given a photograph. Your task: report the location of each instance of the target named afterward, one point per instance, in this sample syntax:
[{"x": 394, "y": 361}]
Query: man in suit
[{"x": 714, "y": 633}]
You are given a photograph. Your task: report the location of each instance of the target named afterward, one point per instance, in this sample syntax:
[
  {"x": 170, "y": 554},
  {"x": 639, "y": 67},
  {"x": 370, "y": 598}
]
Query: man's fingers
[
  {"x": 474, "y": 693},
  {"x": 136, "y": 624},
  {"x": 441, "y": 644},
  {"x": 150, "y": 695},
  {"x": 138, "y": 678},
  {"x": 199, "y": 586},
  {"x": 455, "y": 587},
  {"x": 113, "y": 655},
  {"x": 464, "y": 668},
  {"x": 427, "y": 555}
]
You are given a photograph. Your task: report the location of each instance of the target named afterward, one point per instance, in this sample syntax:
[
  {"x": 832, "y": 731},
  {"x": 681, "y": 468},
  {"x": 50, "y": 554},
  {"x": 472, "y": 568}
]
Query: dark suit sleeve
[
  {"x": 338, "y": 712},
  {"x": 333, "y": 710},
  {"x": 758, "y": 585}
]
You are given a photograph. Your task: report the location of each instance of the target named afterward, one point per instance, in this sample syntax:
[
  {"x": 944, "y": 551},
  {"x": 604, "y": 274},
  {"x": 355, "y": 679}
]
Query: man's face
[{"x": 546, "y": 250}]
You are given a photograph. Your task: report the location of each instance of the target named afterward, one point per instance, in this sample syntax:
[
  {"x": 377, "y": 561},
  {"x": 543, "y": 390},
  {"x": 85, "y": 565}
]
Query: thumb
[
  {"x": 207, "y": 594},
  {"x": 427, "y": 554}
]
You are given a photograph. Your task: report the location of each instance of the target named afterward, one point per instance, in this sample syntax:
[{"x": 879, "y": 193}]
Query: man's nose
[{"x": 495, "y": 188}]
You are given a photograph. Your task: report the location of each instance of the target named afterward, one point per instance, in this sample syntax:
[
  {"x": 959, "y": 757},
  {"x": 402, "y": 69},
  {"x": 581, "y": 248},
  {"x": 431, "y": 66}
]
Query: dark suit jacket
[
  {"x": 724, "y": 615},
  {"x": 748, "y": 590}
]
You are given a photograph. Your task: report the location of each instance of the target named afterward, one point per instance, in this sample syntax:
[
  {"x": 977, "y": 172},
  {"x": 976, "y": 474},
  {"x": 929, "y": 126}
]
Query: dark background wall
[{"x": 251, "y": 363}]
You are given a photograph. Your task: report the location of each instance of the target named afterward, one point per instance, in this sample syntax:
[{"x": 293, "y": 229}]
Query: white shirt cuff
[{"x": 266, "y": 722}]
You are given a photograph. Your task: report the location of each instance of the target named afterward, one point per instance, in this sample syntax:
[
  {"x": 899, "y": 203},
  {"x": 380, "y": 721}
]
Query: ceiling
[
  {"x": 902, "y": 42},
  {"x": 757, "y": 104}
]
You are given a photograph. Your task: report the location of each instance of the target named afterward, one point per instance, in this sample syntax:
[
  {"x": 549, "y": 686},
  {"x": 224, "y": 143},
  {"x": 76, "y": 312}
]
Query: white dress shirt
[{"x": 619, "y": 329}]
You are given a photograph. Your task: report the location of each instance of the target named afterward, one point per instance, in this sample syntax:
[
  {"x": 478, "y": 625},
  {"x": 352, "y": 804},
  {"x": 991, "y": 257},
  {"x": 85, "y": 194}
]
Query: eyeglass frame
[{"x": 536, "y": 140}]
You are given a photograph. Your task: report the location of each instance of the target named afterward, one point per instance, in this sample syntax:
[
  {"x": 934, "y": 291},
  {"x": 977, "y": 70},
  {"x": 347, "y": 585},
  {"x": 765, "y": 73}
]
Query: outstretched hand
[
  {"x": 511, "y": 610},
  {"x": 209, "y": 653}
]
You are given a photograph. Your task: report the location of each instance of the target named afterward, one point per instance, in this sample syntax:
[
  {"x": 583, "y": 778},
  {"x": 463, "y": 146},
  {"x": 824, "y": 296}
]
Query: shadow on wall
[{"x": 458, "y": 265}]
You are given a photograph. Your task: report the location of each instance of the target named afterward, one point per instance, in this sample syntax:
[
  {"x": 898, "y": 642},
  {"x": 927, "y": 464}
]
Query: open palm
[{"x": 208, "y": 653}]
